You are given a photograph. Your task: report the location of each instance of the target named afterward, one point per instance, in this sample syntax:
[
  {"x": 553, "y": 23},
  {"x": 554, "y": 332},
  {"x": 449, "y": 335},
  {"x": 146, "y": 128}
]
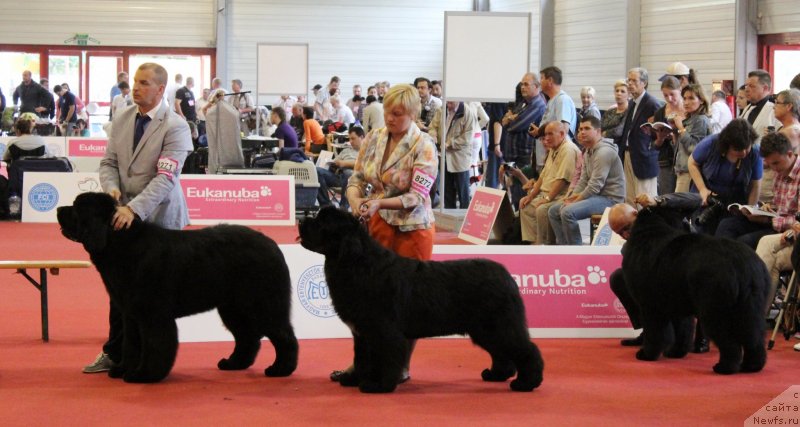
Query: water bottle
[{"x": 14, "y": 205}]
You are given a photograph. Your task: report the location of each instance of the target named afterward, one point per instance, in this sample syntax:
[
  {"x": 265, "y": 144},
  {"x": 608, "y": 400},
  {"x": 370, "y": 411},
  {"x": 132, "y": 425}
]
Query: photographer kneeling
[{"x": 725, "y": 169}]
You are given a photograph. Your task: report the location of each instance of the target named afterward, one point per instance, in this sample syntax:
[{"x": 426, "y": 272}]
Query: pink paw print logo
[
  {"x": 596, "y": 275},
  {"x": 265, "y": 191}
]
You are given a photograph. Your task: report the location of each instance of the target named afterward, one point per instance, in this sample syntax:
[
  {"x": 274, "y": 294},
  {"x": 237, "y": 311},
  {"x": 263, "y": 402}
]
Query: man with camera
[
  {"x": 551, "y": 186},
  {"x": 601, "y": 185}
]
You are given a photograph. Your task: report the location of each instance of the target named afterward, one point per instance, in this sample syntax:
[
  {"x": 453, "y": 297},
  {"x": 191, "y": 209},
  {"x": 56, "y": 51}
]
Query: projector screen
[
  {"x": 282, "y": 68},
  {"x": 485, "y": 55}
]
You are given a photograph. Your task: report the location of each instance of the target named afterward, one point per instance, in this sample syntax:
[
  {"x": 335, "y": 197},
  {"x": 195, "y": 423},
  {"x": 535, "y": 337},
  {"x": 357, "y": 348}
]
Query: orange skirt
[{"x": 417, "y": 244}]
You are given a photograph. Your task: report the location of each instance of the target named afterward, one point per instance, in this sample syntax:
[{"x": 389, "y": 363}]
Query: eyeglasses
[{"x": 782, "y": 103}]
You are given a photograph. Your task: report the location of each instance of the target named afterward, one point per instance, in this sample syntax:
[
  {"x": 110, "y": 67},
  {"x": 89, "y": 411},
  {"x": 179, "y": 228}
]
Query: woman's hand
[
  {"x": 355, "y": 202},
  {"x": 369, "y": 207}
]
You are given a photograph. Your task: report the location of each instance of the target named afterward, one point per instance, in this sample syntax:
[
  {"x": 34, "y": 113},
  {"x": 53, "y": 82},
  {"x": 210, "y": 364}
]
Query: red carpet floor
[{"x": 587, "y": 382}]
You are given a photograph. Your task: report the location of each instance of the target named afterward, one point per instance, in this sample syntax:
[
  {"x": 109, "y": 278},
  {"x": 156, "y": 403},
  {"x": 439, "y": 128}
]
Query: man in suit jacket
[
  {"x": 146, "y": 149},
  {"x": 640, "y": 158},
  {"x": 460, "y": 128}
]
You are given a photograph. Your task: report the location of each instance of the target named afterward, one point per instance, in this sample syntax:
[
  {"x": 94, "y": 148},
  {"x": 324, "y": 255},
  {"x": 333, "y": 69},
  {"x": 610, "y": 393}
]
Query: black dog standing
[
  {"x": 674, "y": 275},
  {"x": 154, "y": 276},
  {"x": 387, "y": 299}
]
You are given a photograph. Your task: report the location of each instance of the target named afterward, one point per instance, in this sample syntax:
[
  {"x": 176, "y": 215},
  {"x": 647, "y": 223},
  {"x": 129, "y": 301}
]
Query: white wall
[
  {"x": 360, "y": 41},
  {"x": 778, "y": 16},
  {"x": 699, "y": 33},
  {"x": 589, "y": 39},
  {"x": 532, "y": 7},
  {"x": 174, "y": 23}
]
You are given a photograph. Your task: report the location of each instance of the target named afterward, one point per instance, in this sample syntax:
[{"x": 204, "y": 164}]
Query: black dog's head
[
  {"x": 331, "y": 232},
  {"x": 656, "y": 221},
  {"x": 88, "y": 220}
]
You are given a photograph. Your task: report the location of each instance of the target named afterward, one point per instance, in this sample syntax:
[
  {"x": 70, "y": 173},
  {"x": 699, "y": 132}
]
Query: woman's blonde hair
[
  {"x": 620, "y": 82},
  {"x": 403, "y": 95}
]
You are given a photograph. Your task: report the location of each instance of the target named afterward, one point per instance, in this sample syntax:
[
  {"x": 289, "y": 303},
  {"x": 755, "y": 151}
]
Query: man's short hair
[
  {"x": 643, "y": 76},
  {"x": 122, "y": 74},
  {"x": 178, "y": 78},
  {"x": 718, "y": 94},
  {"x": 371, "y": 99},
  {"x": 335, "y": 79},
  {"x": 57, "y": 89},
  {"x": 358, "y": 130},
  {"x": 189, "y": 81},
  {"x": 795, "y": 84},
  {"x": 237, "y": 82},
  {"x": 553, "y": 73},
  {"x": 774, "y": 142},
  {"x": 160, "y": 75},
  {"x": 737, "y": 135},
  {"x": 791, "y": 97},
  {"x": 422, "y": 79},
  {"x": 370, "y": 88},
  {"x": 123, "y": 85},
  {"x": 280, "y": 112},
  {"x": 308, "y": 112},
  {"x": 592, "y": 120},
  {"x": 763, "y": 77},
  {"x": 535, "y": 78}
]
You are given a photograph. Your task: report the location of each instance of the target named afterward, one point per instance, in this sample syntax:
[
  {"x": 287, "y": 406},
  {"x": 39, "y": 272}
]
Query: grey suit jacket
[
  {"x": 149, "y": 178},
  {"x": 372, "y": 118}
]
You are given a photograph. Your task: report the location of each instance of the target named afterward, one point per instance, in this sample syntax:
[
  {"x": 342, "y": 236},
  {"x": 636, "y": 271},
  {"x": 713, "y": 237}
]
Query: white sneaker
[
  {"x": 797, "y": 347},
  {"x": 102, "y": 363}
]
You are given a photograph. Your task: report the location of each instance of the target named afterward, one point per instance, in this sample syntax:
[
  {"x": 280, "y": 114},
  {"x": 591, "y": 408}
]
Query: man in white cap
[{"x": 682, "y": 72}]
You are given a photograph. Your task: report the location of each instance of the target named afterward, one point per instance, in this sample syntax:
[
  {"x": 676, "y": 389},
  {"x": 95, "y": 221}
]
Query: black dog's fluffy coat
[
  {"x": 154, "y": 276},
  {"x": 387, "y": 299},
  {"x": 674, "y": 275}
]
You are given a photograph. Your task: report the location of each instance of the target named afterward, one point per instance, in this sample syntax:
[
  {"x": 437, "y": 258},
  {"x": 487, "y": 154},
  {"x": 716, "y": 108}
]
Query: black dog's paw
[
  {"x": 368, "y": 386},
  {"x": 519, "y": 385},
  {"x": 116, "y": 371},
  {"x": 348, "y": 379},
  {"x": 642, "y": 354},
  {"x": 231, "y": 365},
  {"x": 497, "y": 376},
  {"x": 675, "y": 353},
  {"x": 278, "y": 371},
  {"x": 140, "y": 377},
  {"x": 725, "y": 368}
]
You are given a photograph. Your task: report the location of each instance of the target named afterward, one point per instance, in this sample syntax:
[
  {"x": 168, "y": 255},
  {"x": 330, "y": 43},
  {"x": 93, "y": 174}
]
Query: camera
[
  {"x": 712, "y": 212},
  {"x": 507, "y": 166}
]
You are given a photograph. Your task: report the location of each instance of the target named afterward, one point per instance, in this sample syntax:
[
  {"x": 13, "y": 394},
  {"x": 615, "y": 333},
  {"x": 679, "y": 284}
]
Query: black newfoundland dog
[
  {"x": 674, "y": 275},
  {"x": 154, "y": 276},
  {"x": 387, "y": 299}
]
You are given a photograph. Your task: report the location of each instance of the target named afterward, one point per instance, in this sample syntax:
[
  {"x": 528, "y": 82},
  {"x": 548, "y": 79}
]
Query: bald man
[{"x": 621, "y": 218}]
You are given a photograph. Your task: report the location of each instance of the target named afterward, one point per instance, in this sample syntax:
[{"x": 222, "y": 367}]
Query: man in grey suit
[
  {"x": 373, "y": 115},
  {"x": 147, "y": 146}
]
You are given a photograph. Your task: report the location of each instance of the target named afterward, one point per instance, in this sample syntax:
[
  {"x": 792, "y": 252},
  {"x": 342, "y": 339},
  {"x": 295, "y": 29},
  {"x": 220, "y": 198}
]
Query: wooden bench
[{"x": 43, "y": 266}]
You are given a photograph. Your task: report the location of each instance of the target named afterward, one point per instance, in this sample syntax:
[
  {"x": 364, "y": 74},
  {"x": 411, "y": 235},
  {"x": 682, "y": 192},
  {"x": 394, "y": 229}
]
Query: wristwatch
[{"x": 659, "y": 200}]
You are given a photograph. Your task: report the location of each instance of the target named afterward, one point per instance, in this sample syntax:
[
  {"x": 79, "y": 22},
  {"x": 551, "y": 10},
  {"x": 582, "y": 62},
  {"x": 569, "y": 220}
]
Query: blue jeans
[
  {"x": 564, "y": 221},
  {"x": 456, "y": 184}
]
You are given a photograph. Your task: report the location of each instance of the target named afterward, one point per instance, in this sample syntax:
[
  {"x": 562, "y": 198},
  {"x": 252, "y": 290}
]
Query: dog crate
[{"x": 306, "y": 184}]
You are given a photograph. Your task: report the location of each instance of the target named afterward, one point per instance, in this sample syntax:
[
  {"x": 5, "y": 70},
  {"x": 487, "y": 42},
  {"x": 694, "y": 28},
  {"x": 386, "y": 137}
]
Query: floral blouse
[{"x": 409, "y": 173}]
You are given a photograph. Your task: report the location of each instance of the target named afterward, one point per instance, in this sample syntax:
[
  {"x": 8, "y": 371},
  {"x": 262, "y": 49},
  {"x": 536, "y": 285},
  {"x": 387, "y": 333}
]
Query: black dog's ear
[{"x": 351, "y": 248}]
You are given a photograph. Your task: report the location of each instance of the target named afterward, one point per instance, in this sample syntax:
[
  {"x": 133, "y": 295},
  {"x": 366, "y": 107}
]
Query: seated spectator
[
  {"x": 588, "y": 106},
  {"x": 312, "y": 131},
  {"x": 373, "y": 114},
  {"x": 25, "y": 143},
  {"x": 691, "y": 126},
  {"x": 749, "y": 228},
  {"x": 601, "y": 184},
  {"x": 551, "y": 186},
  {"x": 776, "y": 252},
  {"x": 340, "y": 169},
  {"x": 726, "y": 166},
  {"x": 296, "y": 121},
  {"x": 283, "y": 131},
  {"x": 341, "y": 113}
]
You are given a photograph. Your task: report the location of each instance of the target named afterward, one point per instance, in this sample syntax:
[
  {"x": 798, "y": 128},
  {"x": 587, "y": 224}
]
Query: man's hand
[
  {"x": 533, "y": 130},
  {"x": 524, "y": 201},
  {"x": 123, "y": 217},
  {"x": 572, "y": 199},
  {"x": 529, "y": 185},
  {"x": 645, "y": 200}
]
